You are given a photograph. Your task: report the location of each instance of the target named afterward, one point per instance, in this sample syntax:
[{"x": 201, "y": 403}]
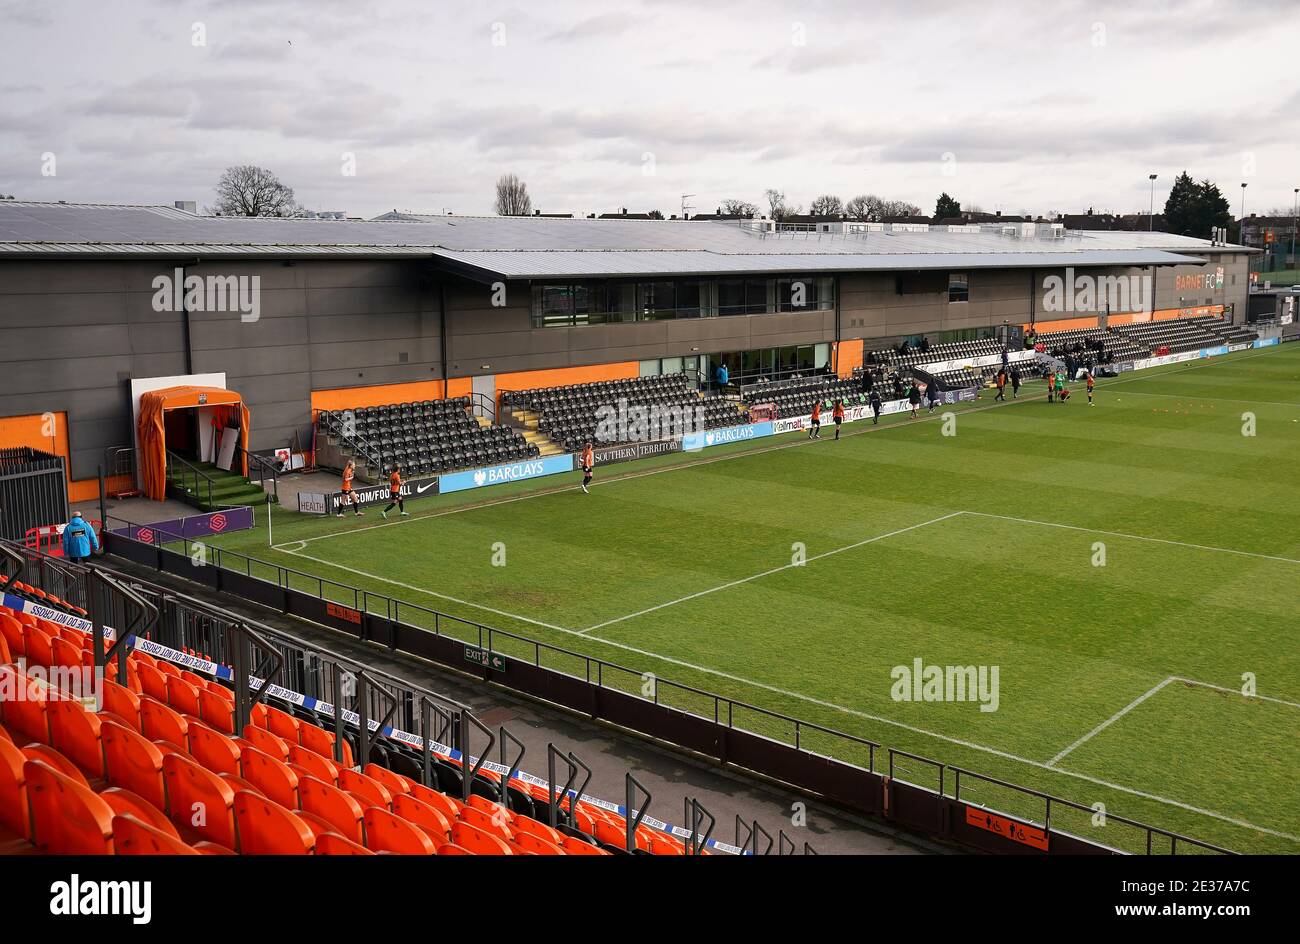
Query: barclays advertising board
[
  {"x": 501, "y": 474},
  {"x": 728, "y": 434}
]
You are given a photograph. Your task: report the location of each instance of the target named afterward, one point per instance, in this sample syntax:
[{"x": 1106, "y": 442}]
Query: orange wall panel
[
  {"x": 848, "y": 355},
  {"x": 31, "y": 431},
  {"x": 560, "y": 377},
  {"x": 1067, "y": 324}
]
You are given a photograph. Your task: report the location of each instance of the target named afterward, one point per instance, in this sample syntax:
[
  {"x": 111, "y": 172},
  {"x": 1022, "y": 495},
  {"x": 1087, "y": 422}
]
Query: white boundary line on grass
[
  {"x": 1111, "y": 720},
  {"x": 1236, "y": 821},
  {"x": 798, "y": 696},
  {"x": 542, "y": 493},
  {"x": 802, "y": 441},
  {"x": 1183, "y": 396},
  {"x": 1135, "y": 537},
  {"x": 1233, "y": 691},
  {"x": 433, "y": 593},
  {"x": 774, "y": 570}
]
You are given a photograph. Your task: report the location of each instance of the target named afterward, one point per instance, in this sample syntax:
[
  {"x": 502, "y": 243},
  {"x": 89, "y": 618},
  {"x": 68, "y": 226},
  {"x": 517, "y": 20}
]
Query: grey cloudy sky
[{"x": 1039, "y": 106}]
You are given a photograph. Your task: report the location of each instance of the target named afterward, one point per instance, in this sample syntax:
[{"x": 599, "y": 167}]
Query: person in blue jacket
[
  {"x": 79, "y": 538},
  {"x": 723, "y": 375}
]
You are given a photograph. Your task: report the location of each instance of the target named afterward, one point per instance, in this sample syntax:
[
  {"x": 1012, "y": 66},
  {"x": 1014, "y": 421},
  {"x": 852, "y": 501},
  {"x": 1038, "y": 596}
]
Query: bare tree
[
  {"x": 733, "y": 207},
  {"x": 512, "y": 197},
  {"x": 249, "y": 190},
  {"x": 778, "y": 208},
  {"x": 864, "y": 207},
  {"x": 900, "y": 208},
  {"x": 826, "y": 205}
]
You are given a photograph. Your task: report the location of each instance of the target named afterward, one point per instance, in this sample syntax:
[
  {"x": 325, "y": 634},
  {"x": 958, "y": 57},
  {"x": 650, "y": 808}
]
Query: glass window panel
[
  {"x": 688, "y": 299},
  {"x": 731, "y": 297},
  {"x": 958, "y": 288}
]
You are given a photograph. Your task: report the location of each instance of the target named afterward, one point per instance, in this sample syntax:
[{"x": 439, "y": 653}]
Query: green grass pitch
[{"x": 1127, "y": 568}]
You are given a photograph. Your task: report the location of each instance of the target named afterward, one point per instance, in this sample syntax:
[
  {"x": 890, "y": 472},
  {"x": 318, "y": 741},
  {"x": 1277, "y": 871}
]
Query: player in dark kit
[
  {"x": 395, "y": 484},
  {"x": 588, "y": 463},
  {"x": 876, "y": 406}
]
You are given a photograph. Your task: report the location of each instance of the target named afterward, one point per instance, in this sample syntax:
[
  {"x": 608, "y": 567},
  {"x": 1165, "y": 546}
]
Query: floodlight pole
[
  {"x": 1151, "y": 209},
  {"x": 1295, "y": 216}
]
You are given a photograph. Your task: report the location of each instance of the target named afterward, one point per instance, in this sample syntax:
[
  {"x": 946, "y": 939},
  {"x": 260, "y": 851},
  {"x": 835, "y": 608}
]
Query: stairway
[
  {"x": 228, "y": 488},
  {"x": 526, "y": 420}
]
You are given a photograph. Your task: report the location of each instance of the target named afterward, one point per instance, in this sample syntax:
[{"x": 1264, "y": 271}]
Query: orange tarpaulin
[{"x": 228, "y": 407}]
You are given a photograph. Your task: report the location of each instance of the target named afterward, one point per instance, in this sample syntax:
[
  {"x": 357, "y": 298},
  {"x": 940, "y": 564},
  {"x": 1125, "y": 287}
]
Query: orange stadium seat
[
  {"x": 199, "y": 800},
  {"x": 214, "y": 750},
  {"x": 386, "y": 832},
  {"x": 131, "y": 760},
  {"x": 13, "y": 790},
  {"x": 319, "y": 767},
  {"x": 334, "y": 844},
  {"x": 183, "y": 696},
  {"x": 122, "y": 702},
  {"x": 423, "y": 815},
  {"x": 160, "y": 722},
  {"x": 132, "y": 837},
  {"x": 267, "y": 828},
  {"x": 333, "y": 805},
  {"x": 266, "y": 742},
  {"x": 75, "y": 732},
  {"x": 477, "y": 841},
  {"x": 322, "y": 742},
  {"x": 126, "y": 803},
  {"x": 12, "y": 631},
  {"x": 25, "y": 717},
  {"x": 38, "y": 646},
  {"x": 368, "y": 790},
  {"x": 271, "y": 776},
  {"x": 57, "y": 762},
  {"x": 217, "y": 711},
  {"x": 67, "y": 818}
]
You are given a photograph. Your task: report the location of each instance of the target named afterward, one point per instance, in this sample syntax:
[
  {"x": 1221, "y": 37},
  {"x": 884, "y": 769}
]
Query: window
[
  {"x": 742, "y": 296},
  {"x": 610, "y": 302},
  {"x": 552, "y": 305},
  {"x": 958, "y": 288}
]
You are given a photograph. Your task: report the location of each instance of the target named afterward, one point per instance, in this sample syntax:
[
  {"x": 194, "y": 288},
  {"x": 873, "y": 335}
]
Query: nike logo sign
[{"x": 421, "y": 489}]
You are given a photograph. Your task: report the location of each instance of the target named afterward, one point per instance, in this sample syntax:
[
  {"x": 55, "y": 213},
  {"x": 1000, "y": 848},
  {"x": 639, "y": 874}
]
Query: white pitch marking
[
  {"x": 802, "y": 441},
  {"x": 433, "y": 593},
  {"x": 1181, "y": 396},
  {"x": 1136, "y": 537},
  {"x": 1233, "y": 691},
  {"x": 767, "y": 573},
  {"x": 1236, "y": 821},
  {"x": 1111, "y": 720}
]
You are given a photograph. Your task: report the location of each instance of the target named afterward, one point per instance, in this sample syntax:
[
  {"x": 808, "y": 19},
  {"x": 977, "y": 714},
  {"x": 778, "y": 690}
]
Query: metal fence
[
  {"x": 929, "y": 775},
  {"x": 33, "y": 491}
]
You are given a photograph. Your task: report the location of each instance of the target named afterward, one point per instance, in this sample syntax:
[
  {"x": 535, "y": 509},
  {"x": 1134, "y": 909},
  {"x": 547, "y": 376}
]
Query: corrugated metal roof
[
  {"x": 607, "y": 263},
  {"x": 542, "y": 246}
]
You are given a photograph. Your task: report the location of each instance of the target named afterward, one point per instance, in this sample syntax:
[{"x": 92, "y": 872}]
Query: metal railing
[
  {"x": 722, "y": 710},
  {"x": 134, "y": 609},
  {"x": 186, "y": 477},
  {"x": 264, "y": 468},
  {"x": 480, "y": 404}
]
